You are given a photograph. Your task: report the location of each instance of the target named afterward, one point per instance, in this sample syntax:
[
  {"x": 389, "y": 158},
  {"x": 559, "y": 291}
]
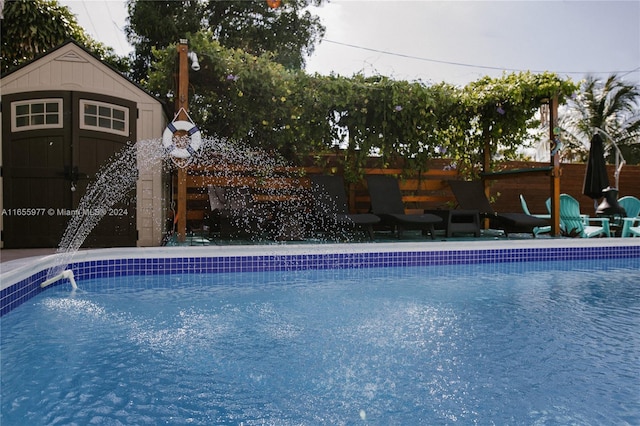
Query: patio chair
[
  {"x": 470, "y": 196},
  {"x": 631, "y": 227},
  {"x": 585, "y": 217},
  {"x": 330, "y": 201},
  {"x": 386, "y": 202},
  {"x": 633, "y": 231},
  {"x": 538, "y": 229},
  {"x": 575, "y": 224},
  {"x": 631, "y": 205},
  {"x": 239, "y": 216}
]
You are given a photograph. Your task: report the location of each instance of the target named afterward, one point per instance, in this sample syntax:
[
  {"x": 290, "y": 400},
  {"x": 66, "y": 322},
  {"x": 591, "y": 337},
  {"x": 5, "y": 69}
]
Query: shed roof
[{"x": 71, "y": 66}]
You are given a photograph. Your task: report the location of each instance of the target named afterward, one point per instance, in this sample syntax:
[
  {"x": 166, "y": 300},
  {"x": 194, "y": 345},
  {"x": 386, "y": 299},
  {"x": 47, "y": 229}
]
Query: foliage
[
  {"x": 32, "y": 27},
  {"x": 612, "y": 106},
  {"x": 391, "y": 119},
  {"x": 247, "y": 98},
  {"x": 157, "y": 24},
  {"x": 254, "y": 92},
  {"x": 288, "y": 32},
  {"x": 258, "y": 101},
  {"x": 503, "y": 111}
]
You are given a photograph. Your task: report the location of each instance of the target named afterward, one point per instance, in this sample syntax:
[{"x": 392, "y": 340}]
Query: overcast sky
[{"x": 452, "y": 41}]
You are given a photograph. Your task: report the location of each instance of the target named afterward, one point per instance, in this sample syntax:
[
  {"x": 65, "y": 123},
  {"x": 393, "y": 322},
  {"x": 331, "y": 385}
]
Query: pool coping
[
  {"x": 20, "y": 279},
  {"x": 16, "y": 270}
]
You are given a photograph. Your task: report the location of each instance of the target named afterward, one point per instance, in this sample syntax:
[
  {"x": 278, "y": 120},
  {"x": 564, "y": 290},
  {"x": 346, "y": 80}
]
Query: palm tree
[{"x": 612, "y": 106}]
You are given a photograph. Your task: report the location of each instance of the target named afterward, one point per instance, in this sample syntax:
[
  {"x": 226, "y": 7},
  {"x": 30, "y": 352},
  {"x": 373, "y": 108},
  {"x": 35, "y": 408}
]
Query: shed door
[
  {"x": 54, "y": 142},
  {"x": 35, "y": 155},
  {"x": 104, "y": 126}
]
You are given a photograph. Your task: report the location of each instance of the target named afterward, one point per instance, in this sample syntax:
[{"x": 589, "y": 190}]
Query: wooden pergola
[{"x": 553, "y": 170}]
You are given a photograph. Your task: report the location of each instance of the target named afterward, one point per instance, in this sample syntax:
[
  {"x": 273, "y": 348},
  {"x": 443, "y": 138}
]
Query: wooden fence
[
  {"x": 428, "y": 190},
  {"x": 536, "y": 189}
]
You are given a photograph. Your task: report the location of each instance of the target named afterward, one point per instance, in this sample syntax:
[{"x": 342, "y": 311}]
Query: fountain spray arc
[
  {"x": 119, "y": 177},
  {"x": 181, "y": 139},
  {"x": 175, "y": 151},
  {"x": 112, "y": 184}
]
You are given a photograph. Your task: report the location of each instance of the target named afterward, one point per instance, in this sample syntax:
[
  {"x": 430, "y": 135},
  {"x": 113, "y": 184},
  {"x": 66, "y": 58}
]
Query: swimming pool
[{"x": 308, "y": 336}]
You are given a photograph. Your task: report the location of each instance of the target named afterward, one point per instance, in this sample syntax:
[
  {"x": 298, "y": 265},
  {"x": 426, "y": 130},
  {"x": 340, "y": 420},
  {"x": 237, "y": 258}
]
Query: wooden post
[
  {"x": 555, "y": 164},
  {"x": 486, "y": 166},
  {"x": 182, "y": 105}
]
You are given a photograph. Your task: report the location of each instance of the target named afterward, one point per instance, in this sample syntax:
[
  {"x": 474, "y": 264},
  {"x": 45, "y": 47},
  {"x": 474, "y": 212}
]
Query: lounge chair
[
  {"x": 239, "y": 217},
  {"x": 631, "y": 222},
  {"x": 330, "y": 200},
  {"x": 575, "y": 224},
  {"x": 538, "y": 229},
  {"x": 470, "y": 196},
  {"x": 386, "y": 202}
]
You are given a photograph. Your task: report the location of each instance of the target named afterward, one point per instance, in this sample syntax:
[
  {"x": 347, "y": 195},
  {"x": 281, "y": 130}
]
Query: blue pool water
[{"x": 525, "y": 343}]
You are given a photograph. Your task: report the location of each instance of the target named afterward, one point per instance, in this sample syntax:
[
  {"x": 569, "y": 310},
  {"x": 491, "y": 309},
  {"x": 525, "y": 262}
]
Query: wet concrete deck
[{"x": 7, "y": 255}]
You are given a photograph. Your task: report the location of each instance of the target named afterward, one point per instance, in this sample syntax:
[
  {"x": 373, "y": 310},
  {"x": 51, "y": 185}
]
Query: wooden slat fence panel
[
  {"x": 429, "y": 190},
  {"x": 536, "y": 189}
]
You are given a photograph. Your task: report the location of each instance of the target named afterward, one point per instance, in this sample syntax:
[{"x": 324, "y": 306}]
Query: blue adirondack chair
[
  {"x": 573, "y": 223},
  {"x": 631, "y": 222}
]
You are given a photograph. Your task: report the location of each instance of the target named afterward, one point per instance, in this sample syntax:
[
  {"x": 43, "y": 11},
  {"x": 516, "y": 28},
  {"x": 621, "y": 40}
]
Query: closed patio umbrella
[{"x": 595, "y": 178}]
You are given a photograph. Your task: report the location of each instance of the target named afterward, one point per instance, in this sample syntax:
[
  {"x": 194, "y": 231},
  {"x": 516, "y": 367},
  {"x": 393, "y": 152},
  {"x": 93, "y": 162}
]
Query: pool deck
[
  {"x": 11, "y": 259},
  {"x": 10, "y": 255}
]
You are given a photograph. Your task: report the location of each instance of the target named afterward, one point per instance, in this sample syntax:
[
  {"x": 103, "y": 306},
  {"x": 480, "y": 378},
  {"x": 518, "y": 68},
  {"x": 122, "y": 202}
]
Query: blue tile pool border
[{"x": 15, "y": 294}]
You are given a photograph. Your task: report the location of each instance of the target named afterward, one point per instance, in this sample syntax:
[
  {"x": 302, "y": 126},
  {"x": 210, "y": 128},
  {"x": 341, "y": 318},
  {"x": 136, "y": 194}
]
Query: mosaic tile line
[{"x": 18, "y": 293}]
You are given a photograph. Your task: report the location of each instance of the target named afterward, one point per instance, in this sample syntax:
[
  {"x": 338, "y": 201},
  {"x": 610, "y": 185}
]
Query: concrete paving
[{"x": 7, "y": 255}]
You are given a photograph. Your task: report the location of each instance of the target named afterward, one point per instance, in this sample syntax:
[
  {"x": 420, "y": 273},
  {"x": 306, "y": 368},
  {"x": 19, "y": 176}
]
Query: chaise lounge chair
[
  {"x": 470, "y": 196},
  {"x": 386, "y": 202},
  {"x": 575, "y": 224},
  {"x": 330, "y": 200},
  {"x": 538, "y": 229},
  {"x": 239, "y": 216}
]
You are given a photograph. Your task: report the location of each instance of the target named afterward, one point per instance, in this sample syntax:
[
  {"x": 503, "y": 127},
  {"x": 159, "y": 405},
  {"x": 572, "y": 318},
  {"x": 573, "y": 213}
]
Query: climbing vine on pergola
[{"x": 257, "y": 101}]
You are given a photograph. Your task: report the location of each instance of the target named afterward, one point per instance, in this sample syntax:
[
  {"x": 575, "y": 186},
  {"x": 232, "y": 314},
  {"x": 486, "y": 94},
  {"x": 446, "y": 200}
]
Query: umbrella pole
[{"x": 620, "y": 161}]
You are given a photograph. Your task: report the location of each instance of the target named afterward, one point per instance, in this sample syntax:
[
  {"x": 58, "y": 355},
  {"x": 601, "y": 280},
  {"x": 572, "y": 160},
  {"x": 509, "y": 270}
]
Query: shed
[{"x": 64, "y": 115}]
